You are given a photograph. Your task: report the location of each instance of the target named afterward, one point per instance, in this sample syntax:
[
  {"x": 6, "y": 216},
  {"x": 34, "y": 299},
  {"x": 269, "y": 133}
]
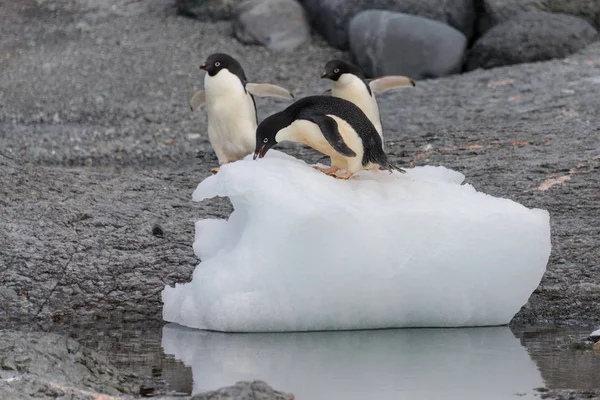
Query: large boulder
[
  {"x": 588, "y": 9},
  {"x": 277, "y": 24},
  {"x": 492, "y": 12},
  {"x": 245, "y": 390},
  {"x": 331, "y": 17},
  {"x": 529, "y": 37},
  {"x": 388, "y": 43},
  {"x": 207, "y": 10}
]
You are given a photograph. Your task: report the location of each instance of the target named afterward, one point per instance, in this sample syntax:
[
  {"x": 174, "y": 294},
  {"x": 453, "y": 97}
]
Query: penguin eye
[
  {"x": 336, "y": 70},
  {"x": 217, "y": 64},
  {"x": 265, "y": 140}
]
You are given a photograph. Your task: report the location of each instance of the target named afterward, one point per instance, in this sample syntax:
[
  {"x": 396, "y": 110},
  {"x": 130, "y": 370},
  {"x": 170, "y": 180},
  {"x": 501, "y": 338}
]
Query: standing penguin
[
  {"x": 349, "y": 83},
  {"x": 332, "y": 126},
  {"x": 231, "y": 108}
]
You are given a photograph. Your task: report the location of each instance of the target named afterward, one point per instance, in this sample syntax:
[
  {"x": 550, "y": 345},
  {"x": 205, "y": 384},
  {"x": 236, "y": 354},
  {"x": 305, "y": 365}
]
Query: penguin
[
  {"x": 595, "y": 336},
  {"x": 230, "y": 106},
  {"x": 331, "y": 125},
  {"x": 349, "y": 83}
]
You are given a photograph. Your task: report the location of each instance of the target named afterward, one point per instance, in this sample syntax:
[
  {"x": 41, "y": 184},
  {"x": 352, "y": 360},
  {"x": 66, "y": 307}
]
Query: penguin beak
[
  {"x": 259, "y": 153},
  {"x": 203, "y": 66},
  {"x": 324, "y": 75}
]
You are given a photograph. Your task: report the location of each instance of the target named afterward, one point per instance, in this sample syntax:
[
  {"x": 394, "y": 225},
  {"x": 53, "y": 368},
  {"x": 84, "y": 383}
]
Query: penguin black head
[
  {"x": 219, "y": 61},
  {"x": 336, "y": 68},
  {"x": 266, "y": 132}
]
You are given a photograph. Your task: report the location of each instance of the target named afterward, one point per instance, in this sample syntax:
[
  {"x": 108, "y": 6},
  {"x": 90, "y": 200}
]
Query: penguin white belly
[
  {"x": 231, "y": 117},
  {"x": 309, "y": 133},
  {"x": 355, "y": 91}
]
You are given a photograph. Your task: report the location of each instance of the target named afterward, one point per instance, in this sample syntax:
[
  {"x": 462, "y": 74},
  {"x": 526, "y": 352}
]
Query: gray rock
[
  {"x": 529, "y": 37},
  {"x": 277, "y": 24},
  {"x": 13, "y": 303},
  {"x": 256, "y": 390},
  {"x": 331, "y": 17},
  {"x": 388, "y": 43},
  {"x": 45, "y": 365},
  {"x": 493, "y": 12},
  {"x": 207, "y": 10},
  {"x": 570, "y": 394},
  {"x": 588, "y": 9}
]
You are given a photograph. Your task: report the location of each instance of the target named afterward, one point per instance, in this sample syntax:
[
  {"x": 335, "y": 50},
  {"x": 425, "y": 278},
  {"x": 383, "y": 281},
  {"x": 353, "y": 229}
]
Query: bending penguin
[
  {"x": 231, "y": 109},
  {"x": 332, "y": 126},
  {"x": 349, "y": 83}
]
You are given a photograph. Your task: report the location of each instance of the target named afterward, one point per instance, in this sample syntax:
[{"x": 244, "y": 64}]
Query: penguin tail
[{"x": 388, "y": 166}]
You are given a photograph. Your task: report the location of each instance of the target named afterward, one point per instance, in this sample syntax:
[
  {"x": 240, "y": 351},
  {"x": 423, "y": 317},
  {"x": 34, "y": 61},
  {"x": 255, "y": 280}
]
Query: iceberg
[{"x": 303, "y": 251}]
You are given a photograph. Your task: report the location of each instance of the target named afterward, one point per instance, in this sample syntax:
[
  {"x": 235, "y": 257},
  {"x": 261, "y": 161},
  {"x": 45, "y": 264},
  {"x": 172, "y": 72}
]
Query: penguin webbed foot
[
  {"x": 326, "y": 171},
  {"x": 344, "y": 175},
  {"x": 333, "y": 172},
  {"x": 215, "y": 170}
]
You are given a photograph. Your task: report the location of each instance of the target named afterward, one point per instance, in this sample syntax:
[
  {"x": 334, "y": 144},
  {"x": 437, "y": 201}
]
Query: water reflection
[
  {"x": 562, "y": 357},
  {"x": 470, "y": 363}
]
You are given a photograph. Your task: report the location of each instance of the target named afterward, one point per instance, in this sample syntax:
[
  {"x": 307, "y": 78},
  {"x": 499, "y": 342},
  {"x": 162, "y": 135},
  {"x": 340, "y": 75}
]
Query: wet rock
[
  {"x": 529, "y": 37},
  {"x": 256, "y": 390},
  {"x": 332, "y": 17},
  {"x": 493, "y": 12},
  {"x": 207, "y": 10},
  {"x": 388, "y": 43},
  {"x": 44, "y": 365},
  {"x": 570, "y": 394},
  {"x": 276, "y": 24}
]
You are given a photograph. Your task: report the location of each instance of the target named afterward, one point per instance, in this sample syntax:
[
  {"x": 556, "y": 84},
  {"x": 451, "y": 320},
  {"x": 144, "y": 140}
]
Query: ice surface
[
  {"x": 458, "y": 364},
  {"x": 304, "y": 251}
]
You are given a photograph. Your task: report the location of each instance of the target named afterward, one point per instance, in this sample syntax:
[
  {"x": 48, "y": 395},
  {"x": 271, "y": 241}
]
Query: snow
[
  {"x": 304, "y": 251},
  {"x": 595, "y": 334},
  {"x": 470, "y": 363}
]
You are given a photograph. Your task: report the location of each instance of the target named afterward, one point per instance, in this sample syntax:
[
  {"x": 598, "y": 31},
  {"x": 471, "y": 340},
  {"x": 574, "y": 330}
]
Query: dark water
[{"x": 473, "y": 363}]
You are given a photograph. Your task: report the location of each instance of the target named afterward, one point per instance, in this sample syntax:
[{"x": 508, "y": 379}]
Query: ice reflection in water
[{"x": 471, "y": 363}]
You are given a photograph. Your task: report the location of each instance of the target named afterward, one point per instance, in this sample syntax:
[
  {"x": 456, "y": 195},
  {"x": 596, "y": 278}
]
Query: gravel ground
[{"x": 99, "y": 154}]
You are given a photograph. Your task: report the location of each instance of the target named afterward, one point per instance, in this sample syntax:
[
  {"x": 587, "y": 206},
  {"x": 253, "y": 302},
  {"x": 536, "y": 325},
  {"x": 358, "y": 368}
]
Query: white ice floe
[{"x": 304, "y": 251}]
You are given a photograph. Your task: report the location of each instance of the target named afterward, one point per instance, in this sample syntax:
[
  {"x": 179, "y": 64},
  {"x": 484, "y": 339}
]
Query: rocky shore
[
  {"x": 421, "y": 38},
  {"x": 99, "y": 155}
]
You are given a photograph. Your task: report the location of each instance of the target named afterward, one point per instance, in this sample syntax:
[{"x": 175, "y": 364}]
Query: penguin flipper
[
  {"x": 380, "y": 85},
  {"x": 326, "y": 93},
  {"x": 197, "y": 100},
  {"x": 269, "y": 90},
  {"x": 330, "y": 131}
]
